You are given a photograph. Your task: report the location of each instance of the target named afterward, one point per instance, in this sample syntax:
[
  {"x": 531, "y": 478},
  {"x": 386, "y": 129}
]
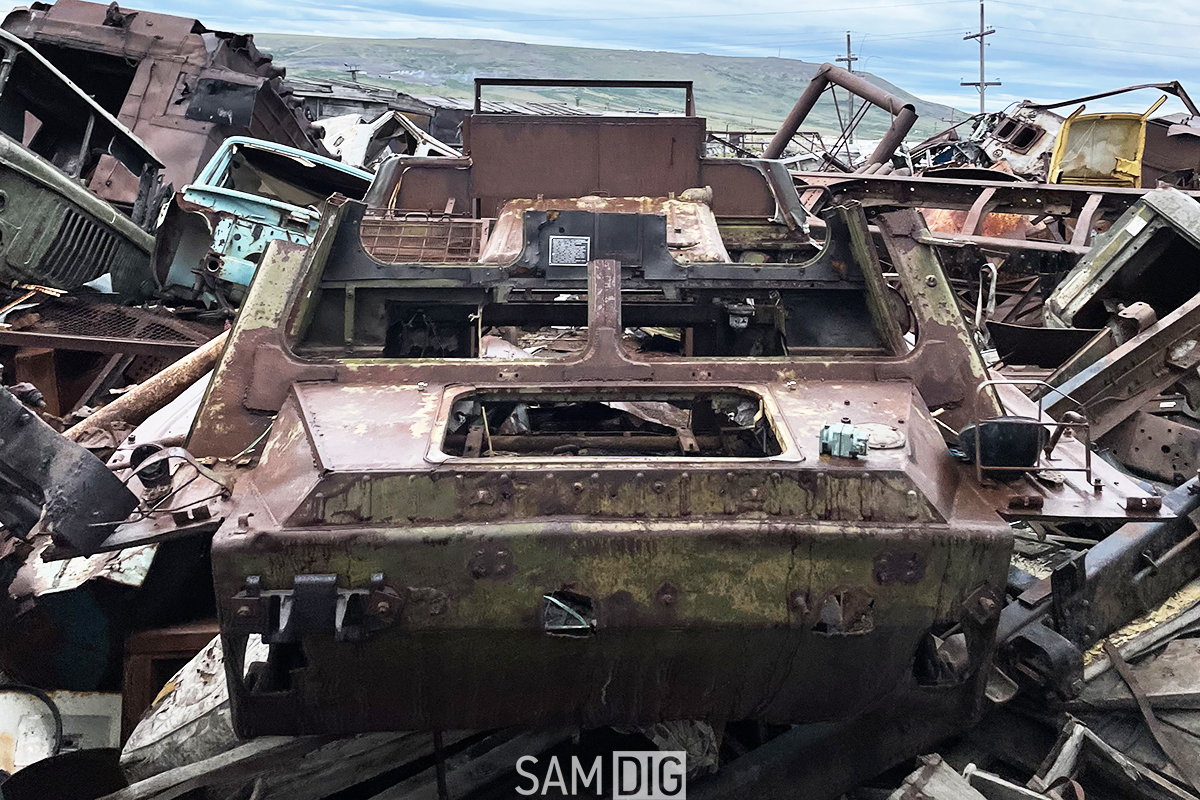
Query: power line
[
  {"x": 1172, "y": 23},
  {"x": 1148, "y": 56},
  {"x": 1026, "y": 31}
]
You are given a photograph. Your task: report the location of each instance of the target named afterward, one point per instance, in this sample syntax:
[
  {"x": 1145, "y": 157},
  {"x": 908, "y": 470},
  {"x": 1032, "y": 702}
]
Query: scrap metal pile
[{"x": 339, "y": 461}]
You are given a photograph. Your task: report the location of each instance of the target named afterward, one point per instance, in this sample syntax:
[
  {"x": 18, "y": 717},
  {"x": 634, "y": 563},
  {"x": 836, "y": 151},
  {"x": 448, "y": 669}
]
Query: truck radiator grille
[{"x": 82, "y": 251}]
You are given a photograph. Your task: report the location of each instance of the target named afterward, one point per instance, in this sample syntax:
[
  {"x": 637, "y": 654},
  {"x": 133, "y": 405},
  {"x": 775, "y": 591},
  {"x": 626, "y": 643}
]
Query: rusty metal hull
[
  {"x": 735, "y": 644},
  {"x": 411, "y": 567},
  {"x": 402, "y": 583},
  {"x": 788, "y": 589}
]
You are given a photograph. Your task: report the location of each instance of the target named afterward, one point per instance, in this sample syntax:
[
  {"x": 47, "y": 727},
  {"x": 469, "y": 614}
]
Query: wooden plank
[
  {"x": 36, "y": 365},
  {"x": 1172, "y": 680},
  {"x": 333, "y": 767},
  {"x": 241, "y": 763}
]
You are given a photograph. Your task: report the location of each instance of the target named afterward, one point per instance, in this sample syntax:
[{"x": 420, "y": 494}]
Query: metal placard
[{"x": 570, "y": 251}]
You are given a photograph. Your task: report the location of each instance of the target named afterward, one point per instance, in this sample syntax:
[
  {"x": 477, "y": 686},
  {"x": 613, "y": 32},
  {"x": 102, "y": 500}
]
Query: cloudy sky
[{"x": 1044, "y": 51}]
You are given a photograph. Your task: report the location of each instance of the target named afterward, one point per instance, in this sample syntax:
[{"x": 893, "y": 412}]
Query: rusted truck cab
[
  {"x": 727, "y": 497},
  {"x": 54, "y": 139}
]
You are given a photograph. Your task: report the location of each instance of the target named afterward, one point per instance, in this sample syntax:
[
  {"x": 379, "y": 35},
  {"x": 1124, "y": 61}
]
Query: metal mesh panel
[
  {"x": 110, "y": 321},
  {"x": 418, "y": 238}
]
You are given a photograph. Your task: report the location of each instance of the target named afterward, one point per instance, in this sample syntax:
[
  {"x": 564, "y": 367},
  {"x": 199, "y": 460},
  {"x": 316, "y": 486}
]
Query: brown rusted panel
[
  {"x": 1160, "y": 447},
  {"x": 148, "y": 69},
  {"x": 419, "y": 183},
  {"x": 517, "y": 156},
  {"x": 692, "y": 234},
  {"x": 224, "y": 420},
  {"x": 1166, "y": 154},
  {"x": 739, "y": 189}
]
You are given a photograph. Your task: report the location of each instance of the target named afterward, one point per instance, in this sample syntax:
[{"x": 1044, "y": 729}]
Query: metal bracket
[{"x": 314, "y": 605}]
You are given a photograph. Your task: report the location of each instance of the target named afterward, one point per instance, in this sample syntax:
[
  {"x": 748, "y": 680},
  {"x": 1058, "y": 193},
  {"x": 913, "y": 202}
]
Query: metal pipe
[
  {"x": 800, "y": 111},
  {"x": 894, "y": 137},
  {"x": 904, "y": 112},
  {"x": 133, "y": 407}
]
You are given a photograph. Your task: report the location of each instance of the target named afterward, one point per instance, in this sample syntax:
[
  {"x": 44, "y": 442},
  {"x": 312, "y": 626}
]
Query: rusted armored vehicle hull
[
  {"x": 704, "y": 571},
  {"x": 716, "y": 591},
  {"x": 728, "y": 496}
]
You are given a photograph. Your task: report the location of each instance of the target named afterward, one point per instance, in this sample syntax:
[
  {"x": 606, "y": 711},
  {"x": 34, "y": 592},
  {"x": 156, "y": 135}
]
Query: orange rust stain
[{"x": 1006, "y": 226}]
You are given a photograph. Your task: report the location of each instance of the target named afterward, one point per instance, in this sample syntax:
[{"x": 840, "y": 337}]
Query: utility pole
[
  {"x": 850, "y": 58},
  {"x": 982, "y": 83}
]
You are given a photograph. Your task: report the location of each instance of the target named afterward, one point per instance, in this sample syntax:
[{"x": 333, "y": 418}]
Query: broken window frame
[
  {"x": 848, "y": 266},
  {"x": 217, "y": 172},
  {"x": 102, "y": 130}
]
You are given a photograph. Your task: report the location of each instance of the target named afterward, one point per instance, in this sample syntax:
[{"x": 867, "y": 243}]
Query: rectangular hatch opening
[{"x": 711, "y": 424}]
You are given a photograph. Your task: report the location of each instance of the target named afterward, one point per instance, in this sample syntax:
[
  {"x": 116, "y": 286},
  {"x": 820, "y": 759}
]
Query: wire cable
[{"x": 33, "y": 691}]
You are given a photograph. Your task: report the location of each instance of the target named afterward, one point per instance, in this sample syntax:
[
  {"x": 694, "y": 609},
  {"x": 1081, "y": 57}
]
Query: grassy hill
[{"x": 735, "y": 93}]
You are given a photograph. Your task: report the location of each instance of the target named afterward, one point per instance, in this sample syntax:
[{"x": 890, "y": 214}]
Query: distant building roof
[
  {"x": 358, "y": 92},
  {"x": 507, "y": 107}
]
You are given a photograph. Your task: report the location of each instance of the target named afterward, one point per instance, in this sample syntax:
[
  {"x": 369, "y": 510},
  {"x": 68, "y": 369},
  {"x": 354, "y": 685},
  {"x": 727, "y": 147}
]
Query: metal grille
[
  {"x": 419, "y": 238},
  {"x": 82, "y": 250},
  {"x": 75, "y": 318}
]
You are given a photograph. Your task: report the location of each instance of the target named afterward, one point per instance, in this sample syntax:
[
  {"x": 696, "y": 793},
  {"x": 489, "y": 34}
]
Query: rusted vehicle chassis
[{"x": 405, "y": 581}]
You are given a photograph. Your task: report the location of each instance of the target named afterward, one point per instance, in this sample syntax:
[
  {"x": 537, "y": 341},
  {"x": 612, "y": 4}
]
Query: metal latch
[
  {"x": 567, "y": 614},
  {"x": 843, "y": 440},
  {"x": 314, "y": 605},
  {"x": 739, "y": 315}
]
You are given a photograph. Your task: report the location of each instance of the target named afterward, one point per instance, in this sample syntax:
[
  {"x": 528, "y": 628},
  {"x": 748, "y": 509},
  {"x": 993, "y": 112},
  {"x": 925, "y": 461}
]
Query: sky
[{"x": 1040, "y": 51}]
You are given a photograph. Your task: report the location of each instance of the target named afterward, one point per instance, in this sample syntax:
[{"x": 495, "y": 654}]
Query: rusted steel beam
[
  {"x": 1115, "y": 387},
  {"x": 897, "y": 191},
  {"x": 1000, "y": 243},
  {"x": 799, "y": 113},
  {"x": 894, "y": 137}
]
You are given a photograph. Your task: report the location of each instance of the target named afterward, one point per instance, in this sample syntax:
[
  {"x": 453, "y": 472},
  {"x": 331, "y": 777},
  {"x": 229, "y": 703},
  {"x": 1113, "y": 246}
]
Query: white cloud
[{"x": 1040, "y": 52}]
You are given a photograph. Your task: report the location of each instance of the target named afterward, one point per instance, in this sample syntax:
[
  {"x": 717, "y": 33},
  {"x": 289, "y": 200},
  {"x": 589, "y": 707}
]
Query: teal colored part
[
  {"x": 843, "y": 440},
  {"x": 248, "y": 224}
]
